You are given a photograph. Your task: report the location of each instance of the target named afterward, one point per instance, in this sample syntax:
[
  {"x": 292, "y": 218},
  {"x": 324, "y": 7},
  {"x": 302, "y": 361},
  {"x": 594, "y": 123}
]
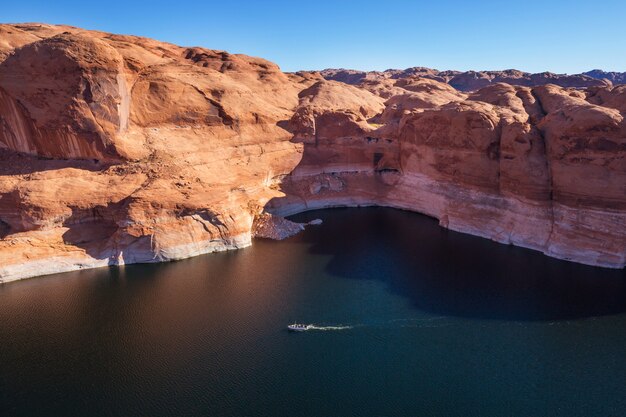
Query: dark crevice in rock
[
  {"x": 387, "y": 171},
  {"x": 225, "y": 117},
  {"x": 87, "y": 94},
  {"x": 5, "y": 229},
  {"x": 547, "y": 152},
  {"x": 539, "y": 103}
]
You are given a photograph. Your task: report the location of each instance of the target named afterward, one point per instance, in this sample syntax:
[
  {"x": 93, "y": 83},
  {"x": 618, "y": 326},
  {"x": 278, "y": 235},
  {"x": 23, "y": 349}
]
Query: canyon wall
[
  {"x": 120, "y": 149},
  {"x": 541, "y": 168}
]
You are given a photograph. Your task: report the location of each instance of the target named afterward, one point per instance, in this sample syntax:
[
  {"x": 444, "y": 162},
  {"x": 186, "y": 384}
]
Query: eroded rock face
[
  {"x": 64, "y": 97},
  {"x": 118, "y": 149},
  {"x": 536, "y": 167},
  {"x": 330, "y": 110}
]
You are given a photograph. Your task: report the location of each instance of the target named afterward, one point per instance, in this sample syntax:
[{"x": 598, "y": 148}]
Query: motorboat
[{"x": 296, "y": 327}]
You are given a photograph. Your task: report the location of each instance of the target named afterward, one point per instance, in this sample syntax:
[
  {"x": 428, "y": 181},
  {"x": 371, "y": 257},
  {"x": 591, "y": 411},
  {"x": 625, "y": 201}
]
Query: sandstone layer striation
[{"x": 119, "y": 149}]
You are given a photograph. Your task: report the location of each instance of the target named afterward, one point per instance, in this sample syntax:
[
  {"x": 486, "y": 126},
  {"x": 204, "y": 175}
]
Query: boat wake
[
  {"x": 326, "y": 328},
  {"x": 419, "y": 323}
]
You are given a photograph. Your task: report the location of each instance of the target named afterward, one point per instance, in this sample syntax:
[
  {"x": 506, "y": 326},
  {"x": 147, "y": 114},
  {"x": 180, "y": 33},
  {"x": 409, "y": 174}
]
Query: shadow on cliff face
[
  {"x": 5, "y": 229},
  {"x": 349, "y": 169},
  {"x": 96, "y": 232},
  {"x": 450, "y": 273},
  {"x": 17, "y": 163}
]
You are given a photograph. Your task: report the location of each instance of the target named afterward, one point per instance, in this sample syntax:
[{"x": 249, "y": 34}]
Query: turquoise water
[{"x": 412, "y": 320}]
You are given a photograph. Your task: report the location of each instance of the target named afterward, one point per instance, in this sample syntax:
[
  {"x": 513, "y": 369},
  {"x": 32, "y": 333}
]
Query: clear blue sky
[{"x": 558, "y": 36}]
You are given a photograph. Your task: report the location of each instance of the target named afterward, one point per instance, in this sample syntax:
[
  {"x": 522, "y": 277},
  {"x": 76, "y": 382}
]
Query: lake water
[{"x": 414, "y": 320}]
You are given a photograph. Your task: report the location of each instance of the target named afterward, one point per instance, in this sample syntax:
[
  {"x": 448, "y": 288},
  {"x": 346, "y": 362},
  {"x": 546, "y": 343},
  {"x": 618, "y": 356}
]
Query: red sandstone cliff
[
  {"x": 119, "y": 149},
  {"x": 543, "y": 168}
]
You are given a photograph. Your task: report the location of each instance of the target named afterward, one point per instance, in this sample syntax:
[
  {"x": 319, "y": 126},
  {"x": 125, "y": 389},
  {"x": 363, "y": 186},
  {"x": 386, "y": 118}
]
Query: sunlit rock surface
[{"x": 119, "y": 149}]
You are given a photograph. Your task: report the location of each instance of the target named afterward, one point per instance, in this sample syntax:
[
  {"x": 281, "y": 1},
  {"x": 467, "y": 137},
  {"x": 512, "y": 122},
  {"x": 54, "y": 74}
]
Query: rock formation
[
  {"x": 120, "y": 149},
  {"x": 612, "y": 76},
  {"x": 474, "y": 80}
]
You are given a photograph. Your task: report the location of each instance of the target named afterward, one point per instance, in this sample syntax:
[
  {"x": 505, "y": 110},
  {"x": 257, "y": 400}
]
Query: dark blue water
[{"x": 437, "y": 324}]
